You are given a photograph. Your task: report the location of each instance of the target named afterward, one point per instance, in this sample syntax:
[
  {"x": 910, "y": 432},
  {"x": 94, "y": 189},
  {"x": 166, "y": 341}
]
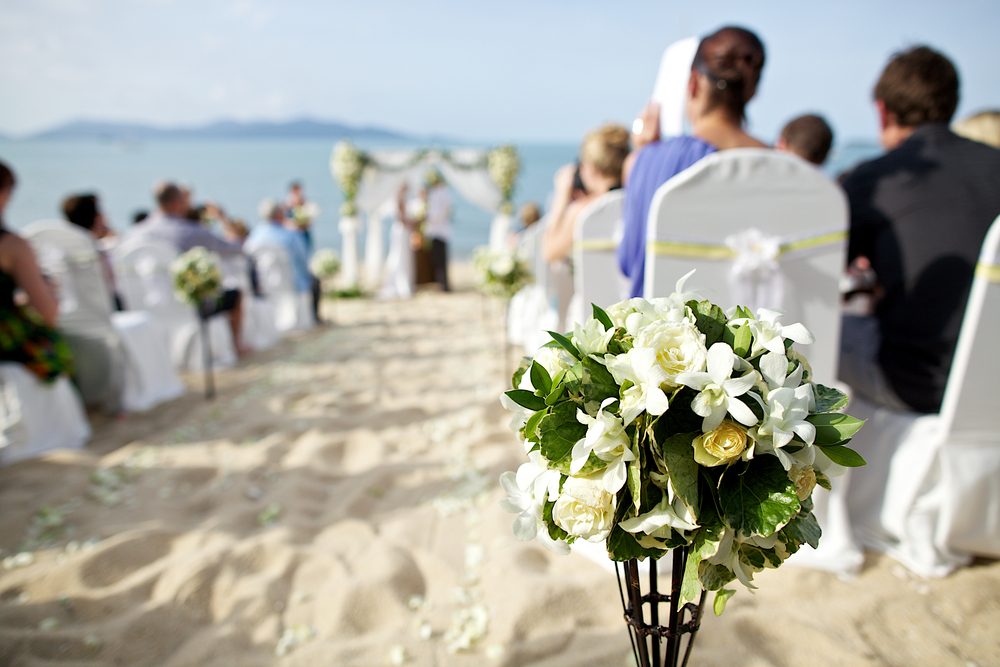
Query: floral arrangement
[
  {"x": 196, "y": 276},
  {"x": 668, "y": 424},
  {"x": 504, "y": 165},
  {"x": 325, "y": 263},
  {"x": 347, "y": 163},
  {"x": 305, "y": 214},
  {"x": 499, "y": 273}
]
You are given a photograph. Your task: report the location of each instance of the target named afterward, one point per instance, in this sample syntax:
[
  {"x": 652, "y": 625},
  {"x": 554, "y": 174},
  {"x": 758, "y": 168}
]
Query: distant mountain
[{"x": 227, "y": 129}]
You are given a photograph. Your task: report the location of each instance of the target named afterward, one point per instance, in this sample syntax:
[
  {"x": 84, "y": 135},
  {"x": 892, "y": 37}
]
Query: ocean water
[{"x": 237, "y": 175}]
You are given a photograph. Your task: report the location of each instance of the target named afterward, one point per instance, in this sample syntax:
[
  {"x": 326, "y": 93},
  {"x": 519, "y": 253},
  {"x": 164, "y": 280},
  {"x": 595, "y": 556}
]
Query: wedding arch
[{"x": 370, "y": 180}]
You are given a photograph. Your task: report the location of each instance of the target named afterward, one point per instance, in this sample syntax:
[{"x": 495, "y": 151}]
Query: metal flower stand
[
  {"x": 647, "y": 637},
  {"x": 206, "y": 353}
]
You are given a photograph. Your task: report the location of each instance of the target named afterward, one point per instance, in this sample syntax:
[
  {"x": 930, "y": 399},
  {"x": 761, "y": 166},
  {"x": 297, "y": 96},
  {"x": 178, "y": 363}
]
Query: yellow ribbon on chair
[
  {"x": 990, "y": 272},
  {"x": 723, "y": 252},
  {"x": 596, "y": 245}
]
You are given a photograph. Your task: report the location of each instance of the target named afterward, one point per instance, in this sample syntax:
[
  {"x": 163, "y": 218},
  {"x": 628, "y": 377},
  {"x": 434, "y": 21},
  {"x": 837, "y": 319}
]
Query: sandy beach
[{"x": 336, "y": 504}]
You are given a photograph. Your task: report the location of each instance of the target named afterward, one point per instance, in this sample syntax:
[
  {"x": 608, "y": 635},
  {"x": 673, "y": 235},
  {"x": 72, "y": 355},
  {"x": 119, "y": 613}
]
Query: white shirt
[{"x": 438, "y": 225}]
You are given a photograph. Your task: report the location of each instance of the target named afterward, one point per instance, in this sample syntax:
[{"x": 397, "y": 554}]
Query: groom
[{"x": 438, "y": 226}]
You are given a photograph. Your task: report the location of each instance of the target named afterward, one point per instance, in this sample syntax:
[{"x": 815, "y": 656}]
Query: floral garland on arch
[
  {"x": 504, "y": 165},
  {"x": 667, "y": 424},
  {"x": 347, "y": 164}
]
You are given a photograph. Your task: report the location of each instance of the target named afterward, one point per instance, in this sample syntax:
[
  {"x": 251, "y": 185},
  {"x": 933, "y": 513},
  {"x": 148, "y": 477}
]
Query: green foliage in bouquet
[
  {"x": 668, "y": 424},
  {"x": 196, "y": 276},
  {"x": 500, "y": 273}
]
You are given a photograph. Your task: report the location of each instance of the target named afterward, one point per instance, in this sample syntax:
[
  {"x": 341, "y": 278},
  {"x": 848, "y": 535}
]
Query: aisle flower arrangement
[
  {"x": 347, "y": 164},
  {"x": 325, "y": 263},
  {"x": 196, "y": 276},
  {"x": 668, "y": 424},
  {"x": 500, "y": 273},
  {"x": 504, "y": 164}
]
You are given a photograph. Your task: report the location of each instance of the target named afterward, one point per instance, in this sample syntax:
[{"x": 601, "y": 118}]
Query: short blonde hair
[
  {"x": 606, "y": 148},
  {"x": 983, "y": 127}
]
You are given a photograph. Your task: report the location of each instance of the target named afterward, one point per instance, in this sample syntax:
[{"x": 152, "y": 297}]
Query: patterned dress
[{"x": 26, "y": 339}]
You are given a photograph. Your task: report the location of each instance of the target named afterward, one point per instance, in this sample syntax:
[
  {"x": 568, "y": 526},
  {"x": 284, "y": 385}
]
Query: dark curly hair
[{"x": 732, "y": 59}]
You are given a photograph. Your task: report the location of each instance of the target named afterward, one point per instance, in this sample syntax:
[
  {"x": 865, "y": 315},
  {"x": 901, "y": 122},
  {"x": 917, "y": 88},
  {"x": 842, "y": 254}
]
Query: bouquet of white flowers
[
  {"x": 499, "y": 273},
  {"x": 504, "y": 165},
  {"x": 304, "y": 214},
  {"x": 347, "y": 163},
  {"x": 325, "y": 263},
  {"x": 196, "y": 276},
  {"x": 670, "y": 425}
]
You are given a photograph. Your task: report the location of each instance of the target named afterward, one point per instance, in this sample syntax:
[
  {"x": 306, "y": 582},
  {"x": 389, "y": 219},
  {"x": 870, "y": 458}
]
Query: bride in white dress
[{"x": 399, "y": 269}]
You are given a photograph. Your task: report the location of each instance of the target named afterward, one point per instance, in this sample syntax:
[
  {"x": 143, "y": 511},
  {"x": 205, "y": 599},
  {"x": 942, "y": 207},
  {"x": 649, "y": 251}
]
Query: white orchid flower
[
  {"x": 640, "y": 367},
  {"x": 592, "y": 338},
  {"x": 717, "y": 391},
  {"x": 770, "y": 335},
  {"x": 728, "y": 555},
  {"x": 521, "y": 414},
  {"x": 785, "y": 412},
  {"x": 607, "y": 439},
  {"x": 528, "y": 489},
  {"x": 670, "y": 512}
]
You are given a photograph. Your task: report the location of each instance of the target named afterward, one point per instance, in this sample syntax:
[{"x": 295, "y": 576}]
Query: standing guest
[
  {"x": 168, "y": 224},
  {"x": 438, "y": 226},
  {"x": 272, "y": 231},
  {"x": 919, "y": 215},
  {"x": 294, "y": 203},
  {"x": 85, "y": 211},
  {"x": 27, "y": 331},
  {"x": 724, "y": 77},
  {"x": 602, "y": 156},
  {"x": 809, "y": 137}
]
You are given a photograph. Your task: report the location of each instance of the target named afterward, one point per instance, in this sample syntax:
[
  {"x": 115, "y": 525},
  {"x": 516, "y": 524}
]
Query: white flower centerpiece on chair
[
  {"x": 197, "y": 279},
  {"x": 668, "y": 425}
]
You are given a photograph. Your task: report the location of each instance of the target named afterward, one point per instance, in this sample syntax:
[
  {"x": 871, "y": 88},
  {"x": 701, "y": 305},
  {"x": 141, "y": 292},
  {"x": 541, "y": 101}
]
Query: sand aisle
[{"x": 336, "y": 505}]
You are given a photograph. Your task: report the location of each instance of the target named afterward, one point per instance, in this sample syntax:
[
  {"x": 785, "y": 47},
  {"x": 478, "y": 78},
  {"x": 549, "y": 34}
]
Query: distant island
[{"x": 227, "y": 129}]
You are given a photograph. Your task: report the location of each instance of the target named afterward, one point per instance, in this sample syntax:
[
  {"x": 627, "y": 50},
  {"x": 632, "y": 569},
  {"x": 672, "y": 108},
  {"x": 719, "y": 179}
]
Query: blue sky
[{"x": 518, "y": 70}]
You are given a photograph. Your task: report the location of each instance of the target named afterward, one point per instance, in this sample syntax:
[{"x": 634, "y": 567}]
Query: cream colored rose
[
  {"x": 804, "y": 478},
  {"x": 679, "y": 347},
  {"x": 722, "y": 445},
  {"x": 584, "y": 508}
]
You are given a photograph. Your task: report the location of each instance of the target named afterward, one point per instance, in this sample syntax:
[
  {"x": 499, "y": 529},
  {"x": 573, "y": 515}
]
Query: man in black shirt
[{"x": 919, "y": 214}]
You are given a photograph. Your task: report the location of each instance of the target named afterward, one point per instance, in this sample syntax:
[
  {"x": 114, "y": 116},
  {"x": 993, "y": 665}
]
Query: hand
[
  {"x": 646, "y": 127},
  {"x": 562, "y": 183}
]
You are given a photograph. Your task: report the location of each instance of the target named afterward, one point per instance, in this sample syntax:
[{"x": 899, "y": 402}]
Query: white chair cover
[
  {"x": 670, "y": 90},
  {"x": 596, "y": 276},
  {"x": 535, "y": 309},
  {"x": 259, "y": 331},
  {"x": 142, "y": 269},
  {"x": 763, "y": 229},
  {"x": 36, "y": 417},
  {"x": 292, "y": 309},
  {"x": 136, "y": 341},
  {"x": 930, "y": 494}
]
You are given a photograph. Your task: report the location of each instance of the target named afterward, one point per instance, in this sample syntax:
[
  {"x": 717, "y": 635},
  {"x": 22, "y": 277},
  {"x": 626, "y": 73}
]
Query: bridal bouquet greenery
[
  {"x": 196, "y": 276},
  {"x": 667, "y": 424},
  {"x": 305, "y": 214},
  {"x": 324, "y": 263},
  {"x": 347, "y": 163},
  {"x": 499, "y": 273},
  {"x": 504, "y": 165}
]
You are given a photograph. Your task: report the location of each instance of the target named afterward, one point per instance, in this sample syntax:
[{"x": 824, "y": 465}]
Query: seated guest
[
  {"x": 273, "y": 232},
  {"x": 919, "y": 215},
  {"x": 168, "y": 224},
  {"x": 809, "y": 137},
  {"x": 84, "y": 210},
  {"x": 27, "y": 331},
  {"x": 983, "y": 127},
  {"x": 600, "y": 171},
  {"x": 724, "y": 76}
]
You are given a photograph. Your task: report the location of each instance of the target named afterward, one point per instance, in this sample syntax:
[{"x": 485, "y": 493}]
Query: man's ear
[{"x": 885, "y": 118}]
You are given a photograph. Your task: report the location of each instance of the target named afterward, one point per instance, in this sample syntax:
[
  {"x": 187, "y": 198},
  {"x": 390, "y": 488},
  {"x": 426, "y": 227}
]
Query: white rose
[
  {"x": 585, "y": 509},
  {"x": 679, "y": 347},
  {"x": 804, "y": 478}
]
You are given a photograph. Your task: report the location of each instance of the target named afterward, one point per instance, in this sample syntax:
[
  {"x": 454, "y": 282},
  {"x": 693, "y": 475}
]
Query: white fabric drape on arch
[{"x": 464, "y": 169}]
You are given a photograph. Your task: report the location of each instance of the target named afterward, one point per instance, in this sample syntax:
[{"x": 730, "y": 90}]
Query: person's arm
[
  {"x": 558, "y": 239},
  {"x": 28, "y": 277}
]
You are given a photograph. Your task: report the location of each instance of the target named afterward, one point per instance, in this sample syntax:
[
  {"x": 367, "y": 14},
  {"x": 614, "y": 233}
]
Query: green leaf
[
  {"x": 555, "y": 532},
  {"x": 742, "y": 341},
  {"x": 833, "y": 427},
  {"x": 759, "y": 499},
  {"x": 555, "y": 394},
  {"x": 844, "y": 456},
  {"x": 714, "y": 577},
  {"x": 522, "y": 368},
  {"x": 829, "y": 399},
  {"x": 633, "y": 480},
  {"x": 824, "y": 481},
  {"x": 623, "y": 546},
  {"x": 602, "y": 317},
  {"x": 566, "y": 344},
  {"x": 743, "y": 312},
  {"x": 711, "y": 320},
  {"x": 705, "y": 545},
  {"x": 526, "y": 399},
  {"x": 678, "y": 455},
  {"x": 597, "y": 383},
  {"x": 804, "y": 529},
  {"x": 721, "y": 598},
  {"x": 540, "y": 379},
  {"x": 559, "y": 431},
  {"x": 531, "y": 426}
]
